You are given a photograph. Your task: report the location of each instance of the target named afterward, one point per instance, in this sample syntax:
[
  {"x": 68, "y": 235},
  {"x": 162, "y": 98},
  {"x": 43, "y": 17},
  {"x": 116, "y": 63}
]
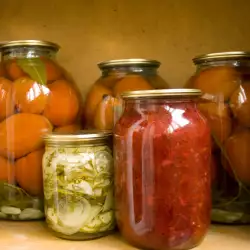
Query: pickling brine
[
  {"x": 162, "y": 170},
  {"x": 78, "y": 185}
]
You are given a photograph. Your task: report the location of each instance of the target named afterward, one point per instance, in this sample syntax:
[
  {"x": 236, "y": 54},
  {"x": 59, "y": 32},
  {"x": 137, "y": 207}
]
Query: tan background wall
[{"x": 172, "y": 31}]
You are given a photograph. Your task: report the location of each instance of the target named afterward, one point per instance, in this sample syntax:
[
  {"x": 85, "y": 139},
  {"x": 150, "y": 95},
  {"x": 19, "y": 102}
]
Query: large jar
[
  {"x": 78, "y": 184},
  {"x": 118, "y": 76},
  {"x": 36, "y": 98},
  {"x": 225, "y": 78},
  {"x": 162, "y": 170}
]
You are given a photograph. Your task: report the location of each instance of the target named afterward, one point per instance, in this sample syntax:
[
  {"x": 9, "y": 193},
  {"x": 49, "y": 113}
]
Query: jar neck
[
  {"x": 121, "y": 71},
  {"x": 27, "y": 52},
  {"x": 217, "y": 63},
  {"x": 152, "y": 105}
]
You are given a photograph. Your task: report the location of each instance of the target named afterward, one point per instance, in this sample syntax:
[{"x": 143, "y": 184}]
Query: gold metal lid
[
  {"x": 128, "y": 62},
  {"x": 21, "y": 43},
  {"x": 162, "y": 93},
  {"x": 82, "y": 137},
  {"x": 221, "y": 56}
]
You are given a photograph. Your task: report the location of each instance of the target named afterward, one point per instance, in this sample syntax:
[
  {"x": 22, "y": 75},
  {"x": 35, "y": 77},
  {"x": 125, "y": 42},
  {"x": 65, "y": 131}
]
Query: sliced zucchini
[
  {"x": 95, "y": 210},
  {"x": 106, "y": 217},
  {"x": 108, "y": 227},
  {"x": 98, "y": 192},
  {"x": 102, "y": 183},
  {"x": 74, "y": 214},
  {"x": 103, "y": 161},
  {"x": 81, "y": 187},
  {"x": 95, "y": 223},
  {"x": 109, "y": 201},
  {"x": 87, "y": 230}
]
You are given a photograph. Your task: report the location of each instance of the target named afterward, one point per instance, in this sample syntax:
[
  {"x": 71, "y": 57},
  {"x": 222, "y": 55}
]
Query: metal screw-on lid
[
  {"x": 128, "y": 62},
  {"x": 82, "y": 137},
  {"x": 162, "y": 93},
  {"x": 22, "y": 43},
  {"x": 221, "y": 56}
]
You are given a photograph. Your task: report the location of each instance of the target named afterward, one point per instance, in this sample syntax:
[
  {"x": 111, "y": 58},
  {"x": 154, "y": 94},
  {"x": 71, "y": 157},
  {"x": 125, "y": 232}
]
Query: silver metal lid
[
  {"x": 221, "y": 56},
  {"x": 21, "y": 43},
  {"x": 162, "y": 93},
  {"x": 84, "y": 136},
  {"x": 128, "y": 62}
]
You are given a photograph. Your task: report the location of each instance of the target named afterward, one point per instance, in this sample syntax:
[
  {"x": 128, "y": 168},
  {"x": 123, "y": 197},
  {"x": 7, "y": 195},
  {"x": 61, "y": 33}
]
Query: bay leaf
[{"x": 35, "y": 68}]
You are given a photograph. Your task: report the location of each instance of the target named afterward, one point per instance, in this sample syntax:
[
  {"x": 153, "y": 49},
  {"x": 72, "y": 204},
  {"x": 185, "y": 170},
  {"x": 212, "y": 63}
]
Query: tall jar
[
  {"x": 162, "y": 170},
  {"x": 78, "y": 184},
  {"x": 36, "y": 98},
  {"x": 102, "y": 105},
  {"x": 225, "y": 78}
]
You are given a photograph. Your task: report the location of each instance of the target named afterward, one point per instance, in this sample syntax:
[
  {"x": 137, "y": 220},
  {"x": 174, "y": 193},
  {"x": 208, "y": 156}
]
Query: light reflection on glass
[
  {"x": 242, "y": 98},
  {"x": 3, "y": 93},
  {"x": 36, "y": 91},
  {"x": 178, "y": 120}
]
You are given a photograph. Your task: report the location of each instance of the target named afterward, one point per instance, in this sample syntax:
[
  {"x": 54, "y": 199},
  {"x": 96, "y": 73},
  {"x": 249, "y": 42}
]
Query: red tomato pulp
[{"x": 162, "y": 174}]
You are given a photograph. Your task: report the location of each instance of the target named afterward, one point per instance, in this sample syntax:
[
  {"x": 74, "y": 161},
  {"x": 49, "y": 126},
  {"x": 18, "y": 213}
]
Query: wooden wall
[{"x": 89, "y": 31}]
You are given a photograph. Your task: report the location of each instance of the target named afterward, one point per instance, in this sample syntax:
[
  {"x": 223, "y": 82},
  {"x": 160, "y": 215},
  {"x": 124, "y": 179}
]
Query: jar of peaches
[
  {"x": 37, "y": 97},
  {"x": 102, "y": 107},
  {"x": 225, "y": 79}
]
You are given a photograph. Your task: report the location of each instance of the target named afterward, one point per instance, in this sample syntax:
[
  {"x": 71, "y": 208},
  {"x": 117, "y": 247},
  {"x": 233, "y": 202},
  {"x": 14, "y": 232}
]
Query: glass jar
[
  {"x": 225, "y": 77},
  {"x": 36, "y": 97},
  {"x": 78, "y": 184},
  {"x": 162, "y": 170},
  {"x": 118, "y": 76}
]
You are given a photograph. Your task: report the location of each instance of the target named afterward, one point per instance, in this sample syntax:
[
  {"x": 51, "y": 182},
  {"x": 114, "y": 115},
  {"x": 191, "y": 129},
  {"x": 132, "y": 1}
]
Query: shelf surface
[{"x": 35, "y": 236}]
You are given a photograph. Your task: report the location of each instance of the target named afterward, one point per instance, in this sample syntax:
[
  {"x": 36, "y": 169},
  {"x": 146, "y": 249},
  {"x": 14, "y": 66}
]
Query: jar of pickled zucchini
[
  {"x": 37, "y": 97},
  {"x": 225, "y": 77},
  {"x": 78, "y": 184},
  {"x": 162, "y": 155},
  {"x": 102, "y": 106}
]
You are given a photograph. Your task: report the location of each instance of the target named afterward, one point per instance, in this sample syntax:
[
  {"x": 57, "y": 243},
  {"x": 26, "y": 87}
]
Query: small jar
[
  {"x": 78, "y": 184},
  {"x": 37, "y": 97},
  {"x": 225, "y": 77},
  {"x": 118, "y": 76},
  {"x": 162, "y": 170}
]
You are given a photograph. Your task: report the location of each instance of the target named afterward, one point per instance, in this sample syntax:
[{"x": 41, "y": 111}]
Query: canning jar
[
  {"x": 162, "y": 169},
  {"x": 36, "y": 98},
  {"x": 78, "y": 184},
  {"x": 117, "y": 76},
  {"x": 226, "y": 78}
]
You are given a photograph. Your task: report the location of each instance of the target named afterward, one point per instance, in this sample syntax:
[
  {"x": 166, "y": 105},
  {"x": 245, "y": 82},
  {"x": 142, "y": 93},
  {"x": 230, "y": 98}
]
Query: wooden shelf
[{"x": 34, "y": 236}]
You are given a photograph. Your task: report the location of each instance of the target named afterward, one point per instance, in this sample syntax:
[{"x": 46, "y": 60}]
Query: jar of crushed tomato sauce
[{"x": 162, "y": 154}]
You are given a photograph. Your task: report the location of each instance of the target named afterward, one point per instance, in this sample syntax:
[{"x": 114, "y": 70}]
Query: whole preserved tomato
[
  {"x": 225, "y": 77},
  {"x": 162, "y": 154},
  {"x": 37, "y": 97}
]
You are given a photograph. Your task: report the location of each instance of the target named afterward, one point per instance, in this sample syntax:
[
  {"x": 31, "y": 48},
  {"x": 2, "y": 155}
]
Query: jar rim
[
  {"x": 229, "y": 55},
  {"x": 162, "y": 93},
  {"x": 84, "y": 136},
  {"x": 31, "y": 43},
  {"x": 128, "y": 62}
]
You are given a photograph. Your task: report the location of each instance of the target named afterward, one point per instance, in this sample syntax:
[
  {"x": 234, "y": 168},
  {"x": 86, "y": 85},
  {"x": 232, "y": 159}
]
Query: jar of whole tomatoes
[
  {"x": 102, "y": 105},
  {"x": 162, "y": 169},
  {"x": 36, "y": 97},
  {"x": 225, "y": 77},
  {"x": 78, "y": 184}
]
